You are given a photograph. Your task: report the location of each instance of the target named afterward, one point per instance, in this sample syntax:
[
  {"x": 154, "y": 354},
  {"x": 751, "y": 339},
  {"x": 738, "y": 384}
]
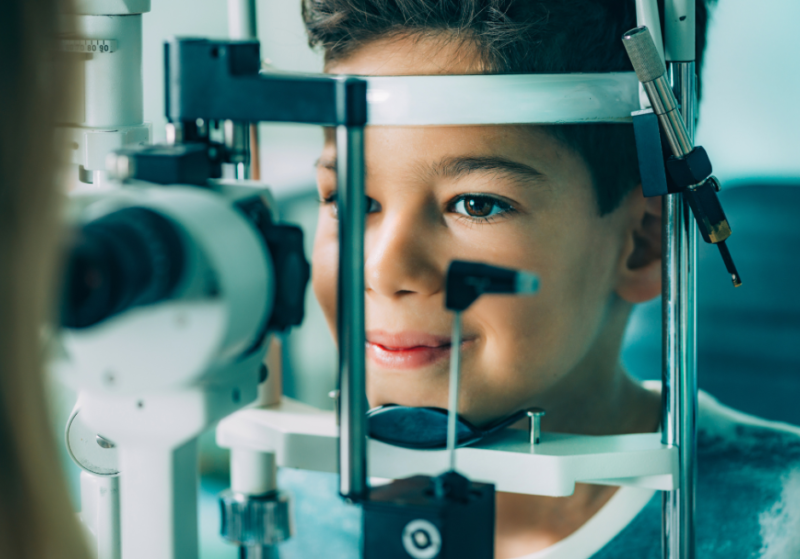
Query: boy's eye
[{"x": 479, "y": 207}]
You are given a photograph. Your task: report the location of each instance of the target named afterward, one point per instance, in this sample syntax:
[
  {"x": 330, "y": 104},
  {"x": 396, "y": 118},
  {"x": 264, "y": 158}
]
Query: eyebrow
[
  {"x": 461, "y": 166},
  {"x": 458, "y": 167}
]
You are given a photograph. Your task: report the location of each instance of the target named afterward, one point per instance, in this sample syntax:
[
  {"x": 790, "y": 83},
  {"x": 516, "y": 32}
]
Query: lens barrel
[{"x": 128, "y": 258}]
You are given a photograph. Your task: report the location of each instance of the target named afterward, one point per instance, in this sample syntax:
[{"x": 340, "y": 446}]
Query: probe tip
[
  {"x": 526, "y": 283},
  {"x": 731, "y": 267}
]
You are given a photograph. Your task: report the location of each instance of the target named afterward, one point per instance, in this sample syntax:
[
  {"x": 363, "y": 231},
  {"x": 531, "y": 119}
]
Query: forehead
[{"x": 408, "y": 55}]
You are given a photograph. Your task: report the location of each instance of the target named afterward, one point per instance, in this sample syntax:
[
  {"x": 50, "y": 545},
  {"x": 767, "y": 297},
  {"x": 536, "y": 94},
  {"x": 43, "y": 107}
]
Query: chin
[{"x": 405, "y": 392}]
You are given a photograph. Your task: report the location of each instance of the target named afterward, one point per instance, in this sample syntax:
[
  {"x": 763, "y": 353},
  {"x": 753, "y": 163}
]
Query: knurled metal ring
[{"x": 249, "y": 520}]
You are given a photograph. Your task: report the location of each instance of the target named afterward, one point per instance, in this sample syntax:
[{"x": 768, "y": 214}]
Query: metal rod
[
  {"x": 255, "y": 153},
  {"x": 455, "y": 370},
  {"x": 686, "y": 82},
  {"x": 351, "y": 327},
  {"x": 243, "y": 26},
  {"x": 242, "y": 20},
  {"x": 237, "y": 144},
  {"x": 679, "y": 397}
]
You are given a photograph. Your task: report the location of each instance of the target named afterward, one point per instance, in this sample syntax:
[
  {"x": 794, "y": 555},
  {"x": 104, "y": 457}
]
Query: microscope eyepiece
[{"x": 125, "y": 259}]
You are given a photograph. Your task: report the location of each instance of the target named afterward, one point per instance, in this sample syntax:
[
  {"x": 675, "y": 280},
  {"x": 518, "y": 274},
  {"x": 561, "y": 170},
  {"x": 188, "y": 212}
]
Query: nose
[{"x": 401, "y": 257}]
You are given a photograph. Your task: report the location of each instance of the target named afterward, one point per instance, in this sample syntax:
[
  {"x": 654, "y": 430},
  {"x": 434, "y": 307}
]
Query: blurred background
[{"x": 748, "y": 338}]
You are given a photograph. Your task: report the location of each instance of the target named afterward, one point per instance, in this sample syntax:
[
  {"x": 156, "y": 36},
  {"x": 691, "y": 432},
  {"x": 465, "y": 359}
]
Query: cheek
[
  {"x": 324, "y": 268},
  {"x": 532, "y": 343}
]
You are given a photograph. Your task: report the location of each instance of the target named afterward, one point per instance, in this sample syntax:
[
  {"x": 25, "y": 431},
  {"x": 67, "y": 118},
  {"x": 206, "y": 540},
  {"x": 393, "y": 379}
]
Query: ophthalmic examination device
[{"x": 179, "y": 271}]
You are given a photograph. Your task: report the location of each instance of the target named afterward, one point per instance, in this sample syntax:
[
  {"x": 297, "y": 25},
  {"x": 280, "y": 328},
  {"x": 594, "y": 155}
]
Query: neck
[
  {"x": 597, "y": 398},
  {"x": 617, "y": 406}
]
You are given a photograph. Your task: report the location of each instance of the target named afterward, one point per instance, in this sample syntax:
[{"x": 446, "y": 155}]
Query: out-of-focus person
[{"x": 36, "y": 519}]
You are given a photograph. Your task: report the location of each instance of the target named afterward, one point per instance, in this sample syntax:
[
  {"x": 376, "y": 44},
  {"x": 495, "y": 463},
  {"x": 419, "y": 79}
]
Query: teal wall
[{"x": 750, "y": 111}]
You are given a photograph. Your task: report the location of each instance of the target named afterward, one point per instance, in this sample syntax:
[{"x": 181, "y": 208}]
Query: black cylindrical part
[{"x": 128, "y": 258}]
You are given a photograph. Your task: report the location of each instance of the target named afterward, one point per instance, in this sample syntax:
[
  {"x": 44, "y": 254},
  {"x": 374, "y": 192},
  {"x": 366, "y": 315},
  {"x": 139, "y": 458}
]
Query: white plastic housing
[
  {"x": 100, "y": 514},
  {"x": 179, "y": 342},
  {"x": 680, "y": 26},
  {"x": 112, "y": 82}
]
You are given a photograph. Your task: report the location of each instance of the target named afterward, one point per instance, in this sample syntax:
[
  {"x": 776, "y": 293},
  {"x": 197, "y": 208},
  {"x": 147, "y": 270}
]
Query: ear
[{"x": 639, "y": 277}]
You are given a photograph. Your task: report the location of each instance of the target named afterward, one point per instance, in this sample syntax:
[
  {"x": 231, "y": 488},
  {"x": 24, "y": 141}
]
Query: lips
[{"x": 406, "y": 350}]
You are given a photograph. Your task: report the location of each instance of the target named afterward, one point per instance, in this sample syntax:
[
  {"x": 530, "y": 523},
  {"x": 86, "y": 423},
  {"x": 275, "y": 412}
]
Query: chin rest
[{"x": 426, "y": 428}]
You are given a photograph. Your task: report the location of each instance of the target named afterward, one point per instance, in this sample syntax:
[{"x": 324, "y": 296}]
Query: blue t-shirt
[
  {"x": 747, "y": 492},
  {"x": 748, "y": 499}
]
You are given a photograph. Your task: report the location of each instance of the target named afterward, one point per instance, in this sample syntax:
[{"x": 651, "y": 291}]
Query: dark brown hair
[
  {"x": 36, "y": 518},
  {"x": 512, "y": 37}
]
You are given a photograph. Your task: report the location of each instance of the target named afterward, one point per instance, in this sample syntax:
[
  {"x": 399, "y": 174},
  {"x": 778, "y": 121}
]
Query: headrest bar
[{"x": 501, "y": 99}]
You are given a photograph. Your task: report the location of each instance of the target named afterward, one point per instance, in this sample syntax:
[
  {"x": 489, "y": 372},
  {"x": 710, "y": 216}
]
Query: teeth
[{"x": 387, "y": 348}]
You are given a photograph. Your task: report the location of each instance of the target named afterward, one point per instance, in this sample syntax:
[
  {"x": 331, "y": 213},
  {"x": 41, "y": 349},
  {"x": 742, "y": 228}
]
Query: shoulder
[
  {"x": 747, "y": 487},
  {"x": 748, "y": 482},
  {"x": 723, "y": 432}
]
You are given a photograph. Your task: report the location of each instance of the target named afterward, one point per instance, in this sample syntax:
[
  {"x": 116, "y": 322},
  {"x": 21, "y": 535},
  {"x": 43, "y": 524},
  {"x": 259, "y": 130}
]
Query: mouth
[{"x": 407, "y": 350}]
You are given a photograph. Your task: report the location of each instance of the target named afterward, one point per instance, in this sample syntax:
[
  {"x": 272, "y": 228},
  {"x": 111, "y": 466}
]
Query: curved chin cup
[{"x": 426, "y": 428}]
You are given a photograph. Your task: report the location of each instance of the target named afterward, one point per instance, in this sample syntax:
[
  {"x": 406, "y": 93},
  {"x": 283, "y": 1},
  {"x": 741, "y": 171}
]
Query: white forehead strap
[{"x": 501, "y": 99}]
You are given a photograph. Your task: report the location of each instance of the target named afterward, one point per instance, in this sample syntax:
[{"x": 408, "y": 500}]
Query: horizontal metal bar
[
  {"x": 501, "y": 99},
  {"x": 221, "y": 80}
]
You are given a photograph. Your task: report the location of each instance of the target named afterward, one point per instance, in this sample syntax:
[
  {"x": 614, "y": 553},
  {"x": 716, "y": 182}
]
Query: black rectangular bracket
[
  {"x": 650, "y": 153},
  {"x": 221, "y": 80}
]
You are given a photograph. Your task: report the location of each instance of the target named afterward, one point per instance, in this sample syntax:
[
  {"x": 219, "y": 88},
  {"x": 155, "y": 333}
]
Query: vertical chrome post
[
  {"x": 455, "y": 372},
  {"x": 680, "y": 357},
  {"x": 679, "y": 397},
  {"x": 351, "y": 327},
  {"x": 237, "y": 144}
]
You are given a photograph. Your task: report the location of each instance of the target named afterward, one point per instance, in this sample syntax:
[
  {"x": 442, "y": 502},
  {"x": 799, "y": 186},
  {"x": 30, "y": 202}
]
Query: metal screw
[
  {"x": 535, "y": 424},
  {"x": 103, "y": 442}
]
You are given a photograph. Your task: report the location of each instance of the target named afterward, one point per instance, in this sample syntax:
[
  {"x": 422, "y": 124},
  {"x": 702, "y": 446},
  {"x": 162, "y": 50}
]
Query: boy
[{"x": 561, "y": 201}]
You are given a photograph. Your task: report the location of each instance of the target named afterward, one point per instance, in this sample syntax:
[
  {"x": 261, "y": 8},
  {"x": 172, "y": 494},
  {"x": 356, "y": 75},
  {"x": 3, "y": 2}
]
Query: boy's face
[{"x": 504, "y": 195}]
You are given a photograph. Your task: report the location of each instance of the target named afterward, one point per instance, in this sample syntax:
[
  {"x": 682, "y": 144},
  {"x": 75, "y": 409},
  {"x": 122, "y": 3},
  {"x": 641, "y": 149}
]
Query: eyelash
[{"x": 505, "y": 207}]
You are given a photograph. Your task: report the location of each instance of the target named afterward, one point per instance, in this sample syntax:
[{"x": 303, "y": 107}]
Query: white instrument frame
[{"x": 304, "y": 437}]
